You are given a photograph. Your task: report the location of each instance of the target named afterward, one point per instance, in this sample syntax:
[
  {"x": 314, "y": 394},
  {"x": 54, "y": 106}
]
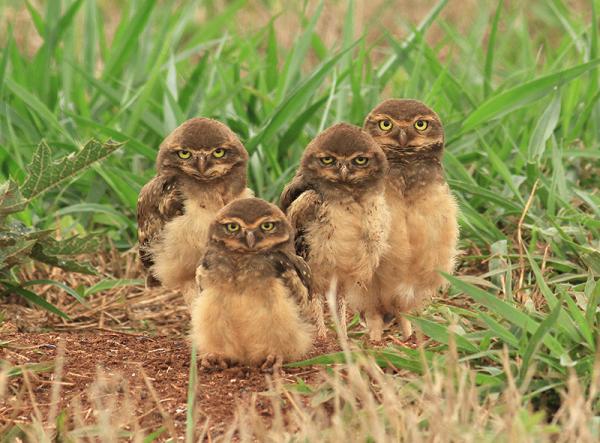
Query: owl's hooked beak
[
  {"x": 250, "y": 239},
  {"x": 202, "y": 164},
  {"x": 402, "y": 138},
  {"x": 344, "y": 172}
]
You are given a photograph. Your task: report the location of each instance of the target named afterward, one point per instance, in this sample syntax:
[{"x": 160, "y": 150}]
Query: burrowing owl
[
  {"x": 424, "y": 212},
  {"x": 201, "y": 167},
  {"x": 254, "y": 304},
  {"x": 336, "y": 205}
]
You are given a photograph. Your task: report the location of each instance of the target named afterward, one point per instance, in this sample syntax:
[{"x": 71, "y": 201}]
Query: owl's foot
[
  {"x": 272, "y": 363},
  {"x": 214, "y": 361},
  {"x": 152, "y": 281}
]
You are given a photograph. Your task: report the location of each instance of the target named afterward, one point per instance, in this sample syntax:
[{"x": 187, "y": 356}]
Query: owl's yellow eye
[
  {"x": 218, "y": 153},
  {"x": 232, "y": 227},
  {"x": 182, "y": 153},
  {"x": 360, "y": 161},
  {"x": 327, "y": 160},
  {"x": 421, "y": 125},
  {"x": 385, "y": 125},
  {"x": 267, "y": 226}
]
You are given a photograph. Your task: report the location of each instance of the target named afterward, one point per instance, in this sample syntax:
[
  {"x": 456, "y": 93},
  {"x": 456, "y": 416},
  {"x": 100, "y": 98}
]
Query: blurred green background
[{"x": 498, "y": 73}]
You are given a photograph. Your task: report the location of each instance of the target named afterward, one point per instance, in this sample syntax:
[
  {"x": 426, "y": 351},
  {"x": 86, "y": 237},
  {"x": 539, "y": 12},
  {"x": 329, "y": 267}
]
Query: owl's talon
[
  {"x": 214, "y": 362},
  {"x": 152, "y": 282},
  {"x": 272, "y": 364}
]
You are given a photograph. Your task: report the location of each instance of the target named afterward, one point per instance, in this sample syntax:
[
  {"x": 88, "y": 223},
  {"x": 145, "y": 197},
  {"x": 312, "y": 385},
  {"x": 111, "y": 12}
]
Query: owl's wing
[
  {"x": 159, "y": 201},
  {"x": 302, "y": 211},
  {"x": 295, "y": 274},
  {"x": 292, "y": 191}
]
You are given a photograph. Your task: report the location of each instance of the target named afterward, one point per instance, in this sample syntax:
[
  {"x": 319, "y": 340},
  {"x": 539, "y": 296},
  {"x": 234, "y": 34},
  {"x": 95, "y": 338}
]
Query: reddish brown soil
[{"x": 129, "y": 362}]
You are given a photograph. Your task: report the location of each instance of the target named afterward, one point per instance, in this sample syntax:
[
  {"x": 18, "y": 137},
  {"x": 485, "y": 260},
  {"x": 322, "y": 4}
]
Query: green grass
[{"x": 518, "y": 91}]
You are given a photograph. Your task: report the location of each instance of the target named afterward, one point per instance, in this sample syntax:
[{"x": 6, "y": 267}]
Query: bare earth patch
[{"x": 104, "y": 367}]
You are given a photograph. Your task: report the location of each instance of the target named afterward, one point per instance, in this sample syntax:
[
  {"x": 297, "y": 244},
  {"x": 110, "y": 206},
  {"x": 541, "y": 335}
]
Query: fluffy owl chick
[
  {"x": 422, "y": 206},
  {"x": 336, "y": 205},
  {"x": 201, "y": 167},
  {"x": 254, "y": 301}
]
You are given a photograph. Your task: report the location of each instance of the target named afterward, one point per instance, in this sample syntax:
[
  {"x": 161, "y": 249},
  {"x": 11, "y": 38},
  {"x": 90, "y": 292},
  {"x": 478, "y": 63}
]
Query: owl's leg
[
  {"x": 316, "y": 308},
  {"x": 214, "y": 361},
  {"x": 343, "y": 309},
  {"x": 406, "y": 327},
  {"x": 272, "y": 363},
  {"x": 375, "y": 326}
]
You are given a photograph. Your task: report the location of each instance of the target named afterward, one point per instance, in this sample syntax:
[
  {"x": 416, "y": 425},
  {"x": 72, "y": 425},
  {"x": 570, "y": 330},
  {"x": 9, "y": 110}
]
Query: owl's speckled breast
[{"x": 349, "y": 238}]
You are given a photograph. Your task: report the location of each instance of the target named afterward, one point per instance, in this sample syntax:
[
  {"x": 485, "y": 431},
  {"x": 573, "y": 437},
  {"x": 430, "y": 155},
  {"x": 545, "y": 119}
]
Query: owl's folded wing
[
  {"x": 295, "y": 274},
  {"x": 159, "y": 201},
  {"x": 301, "y": 212},
  {"x": 292, "y": 191}
]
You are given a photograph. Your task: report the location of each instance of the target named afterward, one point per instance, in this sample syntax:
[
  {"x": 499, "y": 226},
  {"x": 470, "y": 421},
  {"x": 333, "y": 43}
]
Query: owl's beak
[
  {"x": 344, "y": 172},
  {"x": 402, "y": 138},
  {"x": 202, "y": 164},
  {"x": 250, "y": 239}
]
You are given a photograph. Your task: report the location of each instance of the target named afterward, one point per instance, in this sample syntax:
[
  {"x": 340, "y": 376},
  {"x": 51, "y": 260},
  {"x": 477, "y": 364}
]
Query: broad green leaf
[
  {"x": 536, "y": 340},
  {"x": 440, "y": 333},
  {"x": 72, "y": 292},
  {"x": 543, "y": 129},
  {"x": 506, "y": 311},
  {"x": 502, "y": 332},
  {"x": 10, "y": 198},
  {"x": 72, "y": 246},
  {"x": 45, "y": 174},
  {"x": 104, "y": 285},
  {"x": 38, "y": 253},
  {"x": 36, "y": 299},
  {"x": 520, "y": 96}
]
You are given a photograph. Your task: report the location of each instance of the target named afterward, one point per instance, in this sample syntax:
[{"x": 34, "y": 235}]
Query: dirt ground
[
  {"x": 124, "y": 350},
  {"x": 103, "y": 366}
]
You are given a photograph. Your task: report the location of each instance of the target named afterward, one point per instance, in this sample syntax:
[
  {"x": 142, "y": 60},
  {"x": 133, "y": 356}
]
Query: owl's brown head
[
  {"x": 251, "y": 225},
  {"x": 406, "y": 130},
  {"x": 344, "y": 155},
  {"x": 203, "y": 150}
]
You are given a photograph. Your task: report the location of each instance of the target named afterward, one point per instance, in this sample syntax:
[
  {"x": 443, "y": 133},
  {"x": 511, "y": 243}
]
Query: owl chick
[
  {"x": 424, "y": 212},
  {"x": 201, "y": 167},
  {"x": 253, "y": 306},
  {"x": 337, "y": 207}
]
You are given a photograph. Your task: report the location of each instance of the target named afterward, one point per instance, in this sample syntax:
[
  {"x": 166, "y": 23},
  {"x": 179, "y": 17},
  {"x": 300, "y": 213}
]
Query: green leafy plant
[{"x": 20, "y": 243}]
